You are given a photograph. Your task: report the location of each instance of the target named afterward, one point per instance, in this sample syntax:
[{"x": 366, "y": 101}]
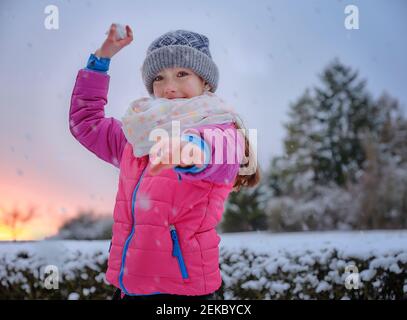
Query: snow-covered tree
[
  {"x": 344, "y": 164},
  {"x": 325, "y": 132},
  {"x": 295, "y": 171},
  {"x": 382, "y": 188}
]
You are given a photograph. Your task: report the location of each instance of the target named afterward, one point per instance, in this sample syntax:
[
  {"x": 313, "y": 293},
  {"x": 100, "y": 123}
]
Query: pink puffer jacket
[{"x": 164, "y": 237}]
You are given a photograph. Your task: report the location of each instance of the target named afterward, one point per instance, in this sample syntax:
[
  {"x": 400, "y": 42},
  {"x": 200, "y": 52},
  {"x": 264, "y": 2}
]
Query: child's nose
[{"x": 170, "y": 90}]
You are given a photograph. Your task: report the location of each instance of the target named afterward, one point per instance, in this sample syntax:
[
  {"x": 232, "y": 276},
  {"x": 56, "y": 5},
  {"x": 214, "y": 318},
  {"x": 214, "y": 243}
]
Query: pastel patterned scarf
[{"x": 146, "y": 114}]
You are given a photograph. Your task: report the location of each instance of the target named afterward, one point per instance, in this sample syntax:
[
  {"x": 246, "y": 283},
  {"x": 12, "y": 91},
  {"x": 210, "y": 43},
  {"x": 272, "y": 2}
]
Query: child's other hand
[
  {"x": 112, "y": 45},
  {"x": 162, "y": 155}
]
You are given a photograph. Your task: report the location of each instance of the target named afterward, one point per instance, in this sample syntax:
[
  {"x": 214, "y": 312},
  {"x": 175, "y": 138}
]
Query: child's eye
[
  {"x": 182, "y": 73},
  {"x": 157, "y": 78}
]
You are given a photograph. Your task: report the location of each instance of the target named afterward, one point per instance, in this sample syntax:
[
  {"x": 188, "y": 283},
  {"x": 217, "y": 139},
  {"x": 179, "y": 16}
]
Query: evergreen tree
[
  {"x": 245, "y": 210},
  {"x": 294, "y": 172},
  {"x": 345, "y": 112},
  {"x": 325, "y": 132},
  {"x": 345, "y": 159}
]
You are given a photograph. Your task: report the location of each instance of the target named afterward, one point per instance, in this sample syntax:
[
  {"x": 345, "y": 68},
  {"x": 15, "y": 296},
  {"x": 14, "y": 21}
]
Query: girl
[{"x": 164, "y": 242}]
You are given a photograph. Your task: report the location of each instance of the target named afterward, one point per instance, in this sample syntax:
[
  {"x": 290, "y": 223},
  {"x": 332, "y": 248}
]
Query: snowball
[{"x": 120, "y": 31}]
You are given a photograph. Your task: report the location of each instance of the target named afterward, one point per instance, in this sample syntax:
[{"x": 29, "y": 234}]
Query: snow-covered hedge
[
  {"x": 80, "y": 268},
  {"x": 254, "y": 266},
  {"x": 312, "y": 275}
]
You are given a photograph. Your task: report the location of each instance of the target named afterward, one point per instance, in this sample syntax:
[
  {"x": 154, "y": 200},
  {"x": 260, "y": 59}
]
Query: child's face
[{"x": 177, "y": 82}]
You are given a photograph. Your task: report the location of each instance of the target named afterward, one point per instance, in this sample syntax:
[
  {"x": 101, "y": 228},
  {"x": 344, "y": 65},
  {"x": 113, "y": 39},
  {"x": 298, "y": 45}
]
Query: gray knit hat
[{"x": 183, "y": 49}]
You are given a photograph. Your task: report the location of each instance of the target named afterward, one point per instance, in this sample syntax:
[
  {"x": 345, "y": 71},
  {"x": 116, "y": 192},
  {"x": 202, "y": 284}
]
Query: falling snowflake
[
  {"x": 115, "y": 161},
  {"x": 174, "y": 211},
  {"x": 144, "y": 201},
  {"x": 74, "y": 129},
  {"x": 27, "y": 136},
  {"x": 81, "y": 102}
]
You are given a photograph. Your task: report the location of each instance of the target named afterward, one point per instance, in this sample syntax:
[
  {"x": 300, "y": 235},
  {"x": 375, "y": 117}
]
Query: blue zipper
[
  {"x": 176, "y": 252},
  {"x": 126, "y": 245}
]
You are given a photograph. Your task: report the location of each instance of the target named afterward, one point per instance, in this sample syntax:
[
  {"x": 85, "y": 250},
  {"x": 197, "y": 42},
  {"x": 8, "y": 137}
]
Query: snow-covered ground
[
  {"x": 282, "y": 265},
  {"x": 352, "y": 243}
]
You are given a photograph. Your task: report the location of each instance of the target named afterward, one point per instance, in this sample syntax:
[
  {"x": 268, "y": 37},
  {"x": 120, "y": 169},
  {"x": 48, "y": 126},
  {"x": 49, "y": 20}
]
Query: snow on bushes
[{"x": 255, "y": 265}]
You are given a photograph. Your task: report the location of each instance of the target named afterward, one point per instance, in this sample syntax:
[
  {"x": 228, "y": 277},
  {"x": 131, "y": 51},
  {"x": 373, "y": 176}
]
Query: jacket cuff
[
  {"x": 98, "y": 64},
  {"x": 195, "y": 139}
]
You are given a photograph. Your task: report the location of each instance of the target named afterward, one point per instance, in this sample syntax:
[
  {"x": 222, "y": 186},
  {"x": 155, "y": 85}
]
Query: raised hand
[{"x": 112, "y": 44}]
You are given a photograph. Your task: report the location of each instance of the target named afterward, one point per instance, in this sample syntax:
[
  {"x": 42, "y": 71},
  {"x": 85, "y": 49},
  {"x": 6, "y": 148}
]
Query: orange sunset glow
[{"x": 52, "y": 206}]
